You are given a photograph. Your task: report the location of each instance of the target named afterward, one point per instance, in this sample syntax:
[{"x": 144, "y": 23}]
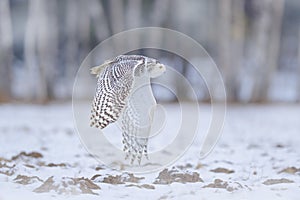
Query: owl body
[{"x": 124, "y": 95}]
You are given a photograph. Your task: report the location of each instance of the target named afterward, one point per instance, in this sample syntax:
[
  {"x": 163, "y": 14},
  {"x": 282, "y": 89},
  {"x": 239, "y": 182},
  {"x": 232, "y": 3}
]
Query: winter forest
[
  {"x": 255, "y": 43},
  {"x": 219, "y": 120}
]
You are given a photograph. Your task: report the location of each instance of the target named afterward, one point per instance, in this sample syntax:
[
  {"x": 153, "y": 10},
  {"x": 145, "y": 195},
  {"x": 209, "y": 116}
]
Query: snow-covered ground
[{"x": 258, "y": 156}]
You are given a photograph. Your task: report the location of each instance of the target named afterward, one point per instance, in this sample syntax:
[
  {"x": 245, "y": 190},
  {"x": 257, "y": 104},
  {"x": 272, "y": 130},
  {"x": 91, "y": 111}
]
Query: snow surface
[{"x": 257, "y": 157}]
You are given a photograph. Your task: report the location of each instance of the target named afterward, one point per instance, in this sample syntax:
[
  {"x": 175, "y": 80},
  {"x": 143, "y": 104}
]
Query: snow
[{"x": 253, "y": 159}]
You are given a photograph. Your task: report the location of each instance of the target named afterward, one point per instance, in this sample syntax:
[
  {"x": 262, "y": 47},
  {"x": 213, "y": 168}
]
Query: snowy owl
[{"x": 124, "y": 95}]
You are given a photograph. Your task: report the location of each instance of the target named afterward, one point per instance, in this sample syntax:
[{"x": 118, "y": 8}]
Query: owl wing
[
  {"x": 136, "y": 119},
  {"x": 113, "y": 87}
]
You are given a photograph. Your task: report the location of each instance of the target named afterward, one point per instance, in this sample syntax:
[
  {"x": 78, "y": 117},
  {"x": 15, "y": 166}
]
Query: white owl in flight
[{"x": 124, "y": 95}]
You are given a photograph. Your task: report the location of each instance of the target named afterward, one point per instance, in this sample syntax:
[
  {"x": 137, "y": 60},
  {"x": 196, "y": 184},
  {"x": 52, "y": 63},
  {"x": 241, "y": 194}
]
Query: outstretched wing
[
  {"x": 113, "y": 87},
  {"x": 136, "y": 119}
]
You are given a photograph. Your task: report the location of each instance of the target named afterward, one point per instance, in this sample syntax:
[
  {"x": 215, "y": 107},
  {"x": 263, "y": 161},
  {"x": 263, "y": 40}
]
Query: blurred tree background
[{"x": 255, "y": 43}]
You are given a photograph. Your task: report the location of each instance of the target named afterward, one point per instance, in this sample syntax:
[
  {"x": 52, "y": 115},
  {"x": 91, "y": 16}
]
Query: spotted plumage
[{"x": 124, "y": 94}]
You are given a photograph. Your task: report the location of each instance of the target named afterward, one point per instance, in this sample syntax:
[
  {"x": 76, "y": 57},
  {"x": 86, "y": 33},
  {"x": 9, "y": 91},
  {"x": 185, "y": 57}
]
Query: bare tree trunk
[
  {"x": 72, "y": 45},
  {"x": 84, "y": 28},
  {"x": 41, "y": 43},
  {"x": 299, "y": 66},
  {"x": 117, "y": 21},
  {"x": 47, "y": 46},
  {"x": 41, "y": 49},
  {"x": 210, "y": 25},
  {"x": 277, "y": 9},
  {"x": 116, "y": 15},
  {"x": 225, "y": 48},
  {"x": 133, "y": 14},
  {"x": 29, "y": 51},
  {"x": 261, "y": 27},
  {"x": 160, "y": 8},
  {"x": 78, "y": 32},
  {"x": 267, "y": 39},
  {"x": 133, "y": 20},
  {"x": 238, "y": 40},
  {"x": 231, "y": 43},
  {"x": 99, "y": 19},
  {"x": 6, "y": 53}
]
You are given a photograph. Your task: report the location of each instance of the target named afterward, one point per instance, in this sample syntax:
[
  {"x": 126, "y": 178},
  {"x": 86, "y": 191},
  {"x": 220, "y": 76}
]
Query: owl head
[
  {"x": 154, "y": 68},
  {"x": 144, "y": 67}
]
